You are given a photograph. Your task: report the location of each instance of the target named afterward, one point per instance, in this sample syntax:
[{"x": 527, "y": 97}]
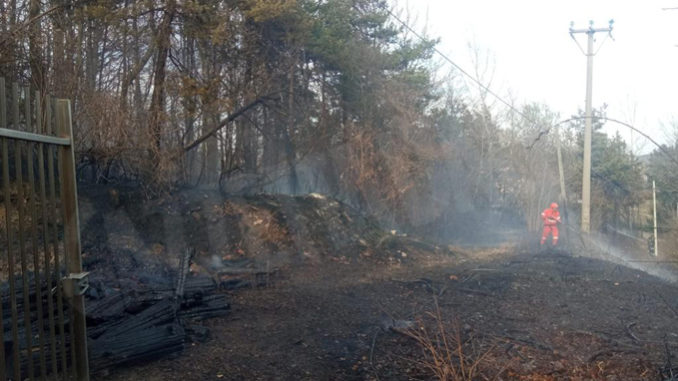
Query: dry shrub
[
  {"x": 446, "y": 354},
  {"x": 105, "y": 131},
  {"x": 262, "y": 226},
  {"x": 389, "y": 166},
  {"x": 391, "y": 155},
  {"x": 109, "y": 133}
]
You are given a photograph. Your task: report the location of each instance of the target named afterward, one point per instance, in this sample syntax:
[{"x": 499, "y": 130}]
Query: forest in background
[{"x": 299, "y": 96}]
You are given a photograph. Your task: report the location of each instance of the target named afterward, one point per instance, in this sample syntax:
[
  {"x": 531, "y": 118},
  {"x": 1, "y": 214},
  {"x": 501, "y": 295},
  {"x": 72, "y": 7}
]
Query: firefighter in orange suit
[{"x": 551, "y": 219}]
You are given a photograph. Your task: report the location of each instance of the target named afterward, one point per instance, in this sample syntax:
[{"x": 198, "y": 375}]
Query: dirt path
[{"x": 518, "y": 316}]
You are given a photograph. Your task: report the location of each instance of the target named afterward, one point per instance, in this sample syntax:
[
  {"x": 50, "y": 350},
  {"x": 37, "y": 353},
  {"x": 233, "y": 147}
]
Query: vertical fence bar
[
  {"x": 69, "y": 199},
  {"x": 36, "y": 262},
  {"x": 69, "y": 307},
  {"x": 6, "y": 202},
  {"x": 55, "y": 249},
  {"x": 42, "y": 120},
  {"x": 10, "y": 260},
  {"x": 34, "y": 238},
  {"x": 18, "y": 168}
]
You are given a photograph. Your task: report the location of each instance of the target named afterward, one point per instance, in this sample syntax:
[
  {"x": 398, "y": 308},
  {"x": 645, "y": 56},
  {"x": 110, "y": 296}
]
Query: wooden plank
[
  {"x": 157, "y": 314},
  {"x": 34, "y": 233},
  {"x": 209, "y": 307},
  {"x": 140, "y": 345},
  {"x": 45, "y": 239},
  {"x": 10, "y": 256},
  {"x": 69, "y": 199},
  {"x": 3, "y": 124},
  {"x": 55, "y": 242},
  {"x": 36, "y": 261},
  {"x": 18, "y": 170},
  {"x": 31, "y": 137},
  {"x": 18, "y": 167}
]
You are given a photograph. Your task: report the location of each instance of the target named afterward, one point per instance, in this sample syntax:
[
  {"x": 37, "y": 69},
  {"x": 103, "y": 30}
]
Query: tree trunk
[
  {"x": 10, "y": 59},
  {"x": 290, "y": 150},
  {"x": 190, "y": 109},
  {"x": 59, "y": 56},
  {"x": 91, "y": 55},
  {"x": 210, "y": 116},
  {"x": 157, "y": 107},
  {"x": 38, "y": 69},
  {"x": 270, "y": 141}
]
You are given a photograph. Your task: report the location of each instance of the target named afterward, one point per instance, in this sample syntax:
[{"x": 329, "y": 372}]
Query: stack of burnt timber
[
  {"x": 21, "y": 346},
  {"x": 124, "y": 325},
  {"x": 139, "y": 325}
]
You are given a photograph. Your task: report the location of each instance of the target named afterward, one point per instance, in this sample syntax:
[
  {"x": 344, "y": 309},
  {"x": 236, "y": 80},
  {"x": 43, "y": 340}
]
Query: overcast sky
[{"x": 535, "y": 59}]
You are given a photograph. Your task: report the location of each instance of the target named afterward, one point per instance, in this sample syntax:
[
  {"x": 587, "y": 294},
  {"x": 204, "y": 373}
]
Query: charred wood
[
  {"x": 136, "y": 345},
  {"x": 140, "y": 324}
]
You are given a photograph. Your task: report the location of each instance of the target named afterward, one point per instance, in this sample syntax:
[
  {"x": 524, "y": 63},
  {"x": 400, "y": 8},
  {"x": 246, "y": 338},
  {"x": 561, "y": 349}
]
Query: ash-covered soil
[{"x": 350, "y": 302}]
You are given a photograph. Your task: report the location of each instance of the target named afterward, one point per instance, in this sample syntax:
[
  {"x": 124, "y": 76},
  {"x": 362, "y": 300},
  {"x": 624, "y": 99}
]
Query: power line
[
  {"x": 589, "y": 117},
  {"x": 461, "y": 70},
  {"x": 510, "y": 106},
  {"x": 542, "y": 132},
  {"x": 661, "y": 148}
]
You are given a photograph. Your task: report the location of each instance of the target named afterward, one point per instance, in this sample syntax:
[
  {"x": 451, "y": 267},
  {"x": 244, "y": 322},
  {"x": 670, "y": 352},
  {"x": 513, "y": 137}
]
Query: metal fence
[{"x": 41, "y": 280}]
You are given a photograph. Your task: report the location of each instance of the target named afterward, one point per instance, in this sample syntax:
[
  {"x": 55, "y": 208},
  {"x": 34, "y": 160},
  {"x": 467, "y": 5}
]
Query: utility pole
[
  {"x": 654, "y": 203},
  {"x": 586, "y": 180},
  {"x": 561, "y": 173}
]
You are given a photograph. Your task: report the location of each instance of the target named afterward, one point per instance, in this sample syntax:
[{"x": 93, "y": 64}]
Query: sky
[{"x": 533, "y": 58}]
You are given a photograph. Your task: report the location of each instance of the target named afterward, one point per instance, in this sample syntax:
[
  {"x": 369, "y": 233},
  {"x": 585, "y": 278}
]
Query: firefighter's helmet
[{"x": 554, "y": 205}]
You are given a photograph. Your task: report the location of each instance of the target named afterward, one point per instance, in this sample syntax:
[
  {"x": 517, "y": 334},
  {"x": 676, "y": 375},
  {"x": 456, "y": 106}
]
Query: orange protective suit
[{"x": 551, "y": 218}]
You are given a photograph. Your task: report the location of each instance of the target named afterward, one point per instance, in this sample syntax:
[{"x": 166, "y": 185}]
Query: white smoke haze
[
  {"x": 121, "y": 229},
  {"x": 632, "y": 258}
]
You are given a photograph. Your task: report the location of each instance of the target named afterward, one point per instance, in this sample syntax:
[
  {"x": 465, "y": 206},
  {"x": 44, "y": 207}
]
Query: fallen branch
[
  {"x": 231, "y": 117},
  {"x": 245, "y": 271},
  {"x": 474, "y": 291},
  {"x": 628, "y": 331},
  {"x": 606, "y": 337},
  {"x": 610, "y": 351},
  {"x": 427, "y": 283}
]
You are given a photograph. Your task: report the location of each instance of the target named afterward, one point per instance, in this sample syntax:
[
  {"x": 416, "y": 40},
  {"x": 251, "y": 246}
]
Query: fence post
[{"x": 72, "y": 249}]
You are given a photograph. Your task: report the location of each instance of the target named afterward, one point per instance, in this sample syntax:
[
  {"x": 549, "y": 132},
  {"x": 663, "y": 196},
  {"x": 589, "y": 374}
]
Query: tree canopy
[{"x": 295, "y": 96}]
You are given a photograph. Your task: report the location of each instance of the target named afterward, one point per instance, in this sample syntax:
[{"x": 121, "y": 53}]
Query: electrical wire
[
  {"x": 458, "y": 67},
  {"x": 542, "y": 132},
  {"x": 510, "y": 106},
  {"x": 646, "y": 136}
]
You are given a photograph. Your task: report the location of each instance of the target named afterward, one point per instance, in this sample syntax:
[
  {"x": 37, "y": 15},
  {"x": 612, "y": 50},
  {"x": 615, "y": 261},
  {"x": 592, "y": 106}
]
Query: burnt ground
[{"x": 377, "y": 306}]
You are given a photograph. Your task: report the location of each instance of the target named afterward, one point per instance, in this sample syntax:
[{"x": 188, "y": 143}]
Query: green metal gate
[{"x": 42, "y": 326}]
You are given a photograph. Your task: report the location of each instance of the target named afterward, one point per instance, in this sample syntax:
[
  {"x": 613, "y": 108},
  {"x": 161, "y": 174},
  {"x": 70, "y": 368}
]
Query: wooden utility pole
[{"x": 586, "y": 176}]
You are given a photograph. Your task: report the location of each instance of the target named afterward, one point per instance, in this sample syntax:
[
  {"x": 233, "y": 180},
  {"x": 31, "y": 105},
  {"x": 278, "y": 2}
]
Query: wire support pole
[
  {"x": 654, "y": 204},
  {"x": 586, "y": 175}
]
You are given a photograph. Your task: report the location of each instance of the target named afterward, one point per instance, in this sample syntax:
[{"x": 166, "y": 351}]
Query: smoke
[{"x": 633, "y": 258}]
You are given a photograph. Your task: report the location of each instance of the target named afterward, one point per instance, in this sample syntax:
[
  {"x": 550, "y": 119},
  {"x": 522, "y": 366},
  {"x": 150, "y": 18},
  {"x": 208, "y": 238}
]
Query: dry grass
[{"x": 447, "y": 355}]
